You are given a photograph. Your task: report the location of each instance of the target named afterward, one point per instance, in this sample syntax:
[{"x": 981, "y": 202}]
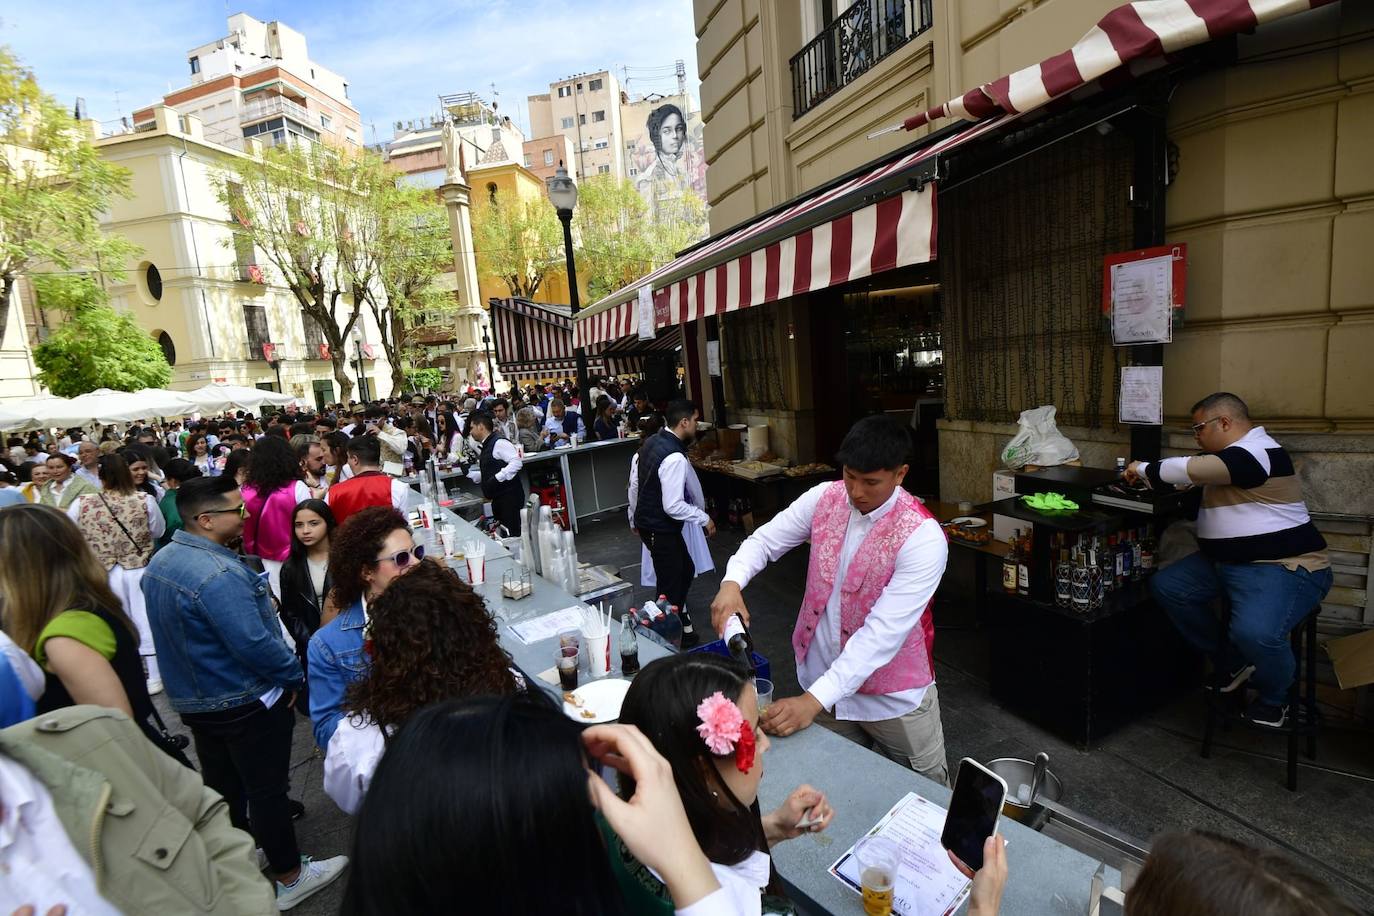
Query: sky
[{"x": 398, "y": 56}]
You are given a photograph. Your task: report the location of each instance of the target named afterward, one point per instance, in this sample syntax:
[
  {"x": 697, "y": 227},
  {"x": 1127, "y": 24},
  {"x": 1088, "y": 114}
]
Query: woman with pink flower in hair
[{"x": 701, "y": 713}]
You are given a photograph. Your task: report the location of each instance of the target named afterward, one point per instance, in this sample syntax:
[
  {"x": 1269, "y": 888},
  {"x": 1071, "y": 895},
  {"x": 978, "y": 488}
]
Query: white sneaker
[
  {"x": 262, "y": 859},
  {"x": 314, "y": 876},
  {"x": 154, "y": 686}
]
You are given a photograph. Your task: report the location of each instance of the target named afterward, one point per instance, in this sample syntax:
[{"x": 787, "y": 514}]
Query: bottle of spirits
[
  {"x": 1147, "y": 551},
  {"x": 1137, "y": 555},
  {"x": 1124, "y": 545},
  {"x": 1099, "y": 573},
  {"x": 1063, "y": 578},
  {"x": 1081, "y": 581},
  {"x": 1009, "y": 564},
  {"x": 1023, "y": 564}
]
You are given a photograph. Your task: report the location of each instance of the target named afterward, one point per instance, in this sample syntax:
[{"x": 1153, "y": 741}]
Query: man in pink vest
[{"x": 864, "y": 637}]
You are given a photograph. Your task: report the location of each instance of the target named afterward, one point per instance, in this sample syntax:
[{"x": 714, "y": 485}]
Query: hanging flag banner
[{"x": 646, "y": 312}]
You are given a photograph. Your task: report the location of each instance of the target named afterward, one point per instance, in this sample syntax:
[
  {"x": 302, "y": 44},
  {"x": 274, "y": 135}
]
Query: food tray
[{"x": 754, "y": 473}]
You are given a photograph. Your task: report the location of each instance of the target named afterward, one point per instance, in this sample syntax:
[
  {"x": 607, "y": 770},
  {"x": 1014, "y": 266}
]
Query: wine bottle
[
  {"x": 1009, "y": 564},
  {"x": 1023, "y": 561},
  {"x": 739, "y": 642}
]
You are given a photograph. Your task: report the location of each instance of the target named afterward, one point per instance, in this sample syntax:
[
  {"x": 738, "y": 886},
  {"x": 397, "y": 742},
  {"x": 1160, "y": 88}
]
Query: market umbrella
[
  {"x": 21, "y": 414},
  {"x": 213, "y": 398},
  {"x": 103, "y": 405},
  {"x": 160, "y": 402}
]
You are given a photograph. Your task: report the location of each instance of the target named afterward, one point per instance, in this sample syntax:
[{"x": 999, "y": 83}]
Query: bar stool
[{"x": 1303, "y": 716}]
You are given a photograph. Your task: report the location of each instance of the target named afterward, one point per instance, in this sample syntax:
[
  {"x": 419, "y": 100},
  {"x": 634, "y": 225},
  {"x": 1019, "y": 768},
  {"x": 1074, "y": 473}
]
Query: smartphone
[{"x": 974, "y": 807}]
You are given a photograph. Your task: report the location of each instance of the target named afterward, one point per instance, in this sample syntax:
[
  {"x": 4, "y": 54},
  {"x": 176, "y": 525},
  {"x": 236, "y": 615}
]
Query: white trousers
[{"x": 125, "y": 584}]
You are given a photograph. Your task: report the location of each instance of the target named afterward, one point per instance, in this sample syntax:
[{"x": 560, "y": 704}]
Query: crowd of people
[{"x": 261, "y": 569}]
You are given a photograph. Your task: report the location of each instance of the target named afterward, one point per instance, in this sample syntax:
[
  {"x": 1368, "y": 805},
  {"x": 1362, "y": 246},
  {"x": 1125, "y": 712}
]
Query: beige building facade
[
  {"x": 1271, "y": 187},
  {"x": 586, "y": 109}
]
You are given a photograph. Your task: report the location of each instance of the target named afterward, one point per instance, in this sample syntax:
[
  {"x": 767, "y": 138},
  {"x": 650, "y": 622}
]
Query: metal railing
[
  {"x": 273, "y": 105},
  {"x": 851, "y": 44}
]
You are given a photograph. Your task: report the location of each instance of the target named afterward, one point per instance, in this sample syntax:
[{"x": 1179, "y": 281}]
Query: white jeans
[{"x": 125, "y": 584}]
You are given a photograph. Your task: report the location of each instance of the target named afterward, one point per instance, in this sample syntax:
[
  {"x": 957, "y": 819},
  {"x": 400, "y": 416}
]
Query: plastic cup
[
  {"x": 879, "y": 860},
  {"x": 569, "y": 637},
  {"x": 598, "y": 654},
  {"x": 477, "y": 563},
  {"x": 764, "y": 688},
  {"x": 566, "y": 660}
]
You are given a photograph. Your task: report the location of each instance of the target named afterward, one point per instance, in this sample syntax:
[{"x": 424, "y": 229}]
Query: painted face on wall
[{"x": 672, "y": 135}]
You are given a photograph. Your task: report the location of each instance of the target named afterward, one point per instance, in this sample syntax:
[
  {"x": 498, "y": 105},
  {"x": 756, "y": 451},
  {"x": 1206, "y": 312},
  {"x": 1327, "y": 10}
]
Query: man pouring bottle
[{"x": 864, "y": 637}]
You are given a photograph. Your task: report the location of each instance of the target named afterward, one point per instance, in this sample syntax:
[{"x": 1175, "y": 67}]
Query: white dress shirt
[
  {"x": 830, "y": 674},
  {"x": 39, "y": 866},
  {"x": 741, "y": 887},
  {"x": 694, "y": 535},
  {"x": 503, "y": 450},
  {"x": 672, "y": 480},
  {"x": 554, "y": 426},
  {"x": 350, "y": 760},
  {"x": 90, "y": 476}
]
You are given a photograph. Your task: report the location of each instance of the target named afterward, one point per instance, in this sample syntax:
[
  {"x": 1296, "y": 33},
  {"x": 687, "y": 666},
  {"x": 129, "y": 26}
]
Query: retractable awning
[
  {"x": 885, "y": 217},
  {"x": 534, "y": 339}
]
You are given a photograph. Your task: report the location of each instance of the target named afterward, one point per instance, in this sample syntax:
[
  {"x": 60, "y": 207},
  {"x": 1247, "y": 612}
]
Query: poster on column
[
  {"x": 1142, "y": 302},
  {"x": 1141, "y": 399},
  {"x": 646, "y": 312}
]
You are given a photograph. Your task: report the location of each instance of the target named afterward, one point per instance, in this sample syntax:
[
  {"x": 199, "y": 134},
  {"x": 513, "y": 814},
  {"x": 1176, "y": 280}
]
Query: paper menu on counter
[
  {"x": 928, "y": 884},
  {"x": 547, "y": 627}
]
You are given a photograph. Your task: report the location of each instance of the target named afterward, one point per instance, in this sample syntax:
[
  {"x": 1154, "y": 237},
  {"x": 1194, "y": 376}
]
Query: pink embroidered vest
[{"x": 869, "y": 573}]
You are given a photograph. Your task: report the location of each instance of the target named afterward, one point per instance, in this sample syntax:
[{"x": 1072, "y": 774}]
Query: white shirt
[
  {"x": 503, "y": 450},
  {"x": 741, "y": 887},
  {"x": 693, "y": 535},
  {"x": 38, "y": 863},
  {"x": 90, "y": 476},
  {"x": 830, "y": 674},
  {"x": 350, "y": 760},
  {"x": 157, "y": 523},
  {"x": 25, "y": 668},
  {"x": 672, "y": 480},
  {"x": 554, "y": 425}
]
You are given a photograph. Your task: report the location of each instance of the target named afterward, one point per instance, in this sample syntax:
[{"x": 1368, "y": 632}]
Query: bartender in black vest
[
  {"x": 498, "y": 471},
  {"x": 662, "y": 509}
]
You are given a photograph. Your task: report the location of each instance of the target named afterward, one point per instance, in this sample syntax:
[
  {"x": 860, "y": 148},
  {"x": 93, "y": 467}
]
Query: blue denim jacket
[
  {"x": 218, "y": 641},
  {"x": 335, "y": 659}
]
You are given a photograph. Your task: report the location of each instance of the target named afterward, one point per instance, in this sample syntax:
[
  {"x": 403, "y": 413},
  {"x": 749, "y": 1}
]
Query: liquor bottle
[
  {"x": 1127, "y": 556},
  {"x": 1081, "y": 580},
  {"x": 1137, "y": 555},
  {"x": 629, "y": 646},
  {"x": 1009, "y": 564},
  {"x": 1114, "y": 558},
  {"x": 1099, "y": 574},
  {"x": 1147, "y": 551},
  {"x": 1063, "y": 576},
  {"x": 739, "y": 642},
  {"x": 1023, "y": 563}
]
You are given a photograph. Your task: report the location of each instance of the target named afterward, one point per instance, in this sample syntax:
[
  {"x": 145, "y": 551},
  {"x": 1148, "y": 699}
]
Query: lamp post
[
  {"x": 358, "y": 349},
  {"x": 274, "y": 360},
  {"x": 563, "y": 196},
  {"x": 486, "y": 345}
]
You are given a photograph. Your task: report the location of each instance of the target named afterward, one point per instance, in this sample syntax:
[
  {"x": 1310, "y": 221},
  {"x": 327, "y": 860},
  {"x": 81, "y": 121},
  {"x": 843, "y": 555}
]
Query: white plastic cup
[
  {"x": 598, "y": 653},
  {"x": 477, "y": 562}
]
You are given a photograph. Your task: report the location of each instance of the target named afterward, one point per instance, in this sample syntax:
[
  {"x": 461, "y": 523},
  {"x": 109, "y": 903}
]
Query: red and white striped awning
[
  {"x": 533, "y": 338},
  {"x": 1131, "y": 33}
]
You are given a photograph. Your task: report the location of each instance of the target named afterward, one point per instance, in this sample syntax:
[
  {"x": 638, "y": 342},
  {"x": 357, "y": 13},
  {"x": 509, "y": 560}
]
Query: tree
[
  {"x": 519, "y": 241},
  {"x": 620, "y": 240},
  {"x": 95, "y": 346},
  {"x": 53, "y": 187},
  {"x": 288, "y": 202}
]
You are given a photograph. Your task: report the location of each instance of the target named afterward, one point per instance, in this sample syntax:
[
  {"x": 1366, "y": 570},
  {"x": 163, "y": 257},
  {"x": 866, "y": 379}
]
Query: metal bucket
[{"x": 1015, "y": 772}]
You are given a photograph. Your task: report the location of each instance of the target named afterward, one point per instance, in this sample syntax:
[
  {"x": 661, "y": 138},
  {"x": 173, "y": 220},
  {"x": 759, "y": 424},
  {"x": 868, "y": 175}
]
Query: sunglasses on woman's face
[{"x": 402, "y": 558}]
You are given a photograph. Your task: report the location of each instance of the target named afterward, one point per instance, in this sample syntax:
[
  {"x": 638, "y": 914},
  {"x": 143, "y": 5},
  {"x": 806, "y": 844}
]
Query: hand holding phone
[{"x": 974, "y": 807}]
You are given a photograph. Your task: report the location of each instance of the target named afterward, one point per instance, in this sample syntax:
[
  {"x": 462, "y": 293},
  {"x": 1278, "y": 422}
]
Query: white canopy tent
[
  {"x": 17, "y": 415},
  {"x": 213, "y": 398},
  {"x": 105, "y": 405}
]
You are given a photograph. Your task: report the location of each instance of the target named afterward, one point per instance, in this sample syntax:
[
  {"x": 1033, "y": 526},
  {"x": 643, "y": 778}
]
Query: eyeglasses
[
  {"x": 402, "y": 558},
  {"x": 241, "y": 509},
  {"x": 1199, "y": 427}
]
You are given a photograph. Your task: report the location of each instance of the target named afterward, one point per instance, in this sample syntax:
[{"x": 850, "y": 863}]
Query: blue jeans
[{"x": 1267, "y": 601}]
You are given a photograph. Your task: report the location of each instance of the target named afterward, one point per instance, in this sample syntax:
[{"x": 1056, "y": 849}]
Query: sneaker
[
  {"x": 262, "y": 859},
  {"x": 154, "y": 686},
  {"x": 1260, "y": 713},
  {"x": 1224, "y": 682},
  {"x": 314, "y": 876}
]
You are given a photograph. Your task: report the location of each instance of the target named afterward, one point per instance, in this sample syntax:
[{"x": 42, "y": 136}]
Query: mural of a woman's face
[{"x": 672, "y": 135}]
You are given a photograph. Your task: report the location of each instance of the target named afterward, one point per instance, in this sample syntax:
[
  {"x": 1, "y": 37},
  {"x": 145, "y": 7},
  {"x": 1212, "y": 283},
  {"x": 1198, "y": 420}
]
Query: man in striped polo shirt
[{"x": 1259, "y": 549}]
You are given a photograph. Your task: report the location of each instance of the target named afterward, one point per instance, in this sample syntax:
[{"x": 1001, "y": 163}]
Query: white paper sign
[
  {"x": 646, "y": 312},
  {"x": 927, "y": 884},
  {"x": 1142, "y": 302},
  {"x": 713, "y": 357},
  {"x": 547, "y": 627},
  {"x": 1141, "y": 399}
]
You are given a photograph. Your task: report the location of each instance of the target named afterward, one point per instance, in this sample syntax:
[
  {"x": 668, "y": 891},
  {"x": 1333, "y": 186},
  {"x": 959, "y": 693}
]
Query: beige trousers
[{"x": 915, "y": 740}]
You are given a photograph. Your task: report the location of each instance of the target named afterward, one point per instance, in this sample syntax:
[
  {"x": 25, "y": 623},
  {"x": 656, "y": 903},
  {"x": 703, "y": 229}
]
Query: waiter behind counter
[
  {"x": 864, "y": 638},
  {"x": 497, "y": 471}
]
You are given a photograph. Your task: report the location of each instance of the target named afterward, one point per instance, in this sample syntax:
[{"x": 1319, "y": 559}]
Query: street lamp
[
  {"x": 358, "y": 349},
  {"x": 563, "y": 196},
  {"x": 486, "y": 345}
]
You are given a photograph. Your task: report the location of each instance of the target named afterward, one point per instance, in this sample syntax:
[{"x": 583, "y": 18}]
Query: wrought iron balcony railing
[{"x": 851, "y": 44}]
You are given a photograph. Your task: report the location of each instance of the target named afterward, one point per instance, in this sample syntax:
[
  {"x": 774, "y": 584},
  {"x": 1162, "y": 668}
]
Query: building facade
[
  {"x": 543, "y": 155},
  {"x": 1269, "y": 141},
  {"x": 586, "y": 109},
  {"x": 191, "y": 287}
]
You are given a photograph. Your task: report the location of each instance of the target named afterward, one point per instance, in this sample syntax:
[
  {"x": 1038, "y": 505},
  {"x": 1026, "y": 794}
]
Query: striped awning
[
  {"x": 627, "y": 355},
  {"x": 1131, "y": 33},
  {"x": 534, "y": 339}
]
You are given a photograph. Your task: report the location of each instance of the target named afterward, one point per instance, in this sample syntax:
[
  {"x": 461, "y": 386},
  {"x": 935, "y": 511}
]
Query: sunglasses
[
  {"x": 1199, "y": 427},
  {"x": 241, "y": 509},
  {"x": 402, "y": 558}
]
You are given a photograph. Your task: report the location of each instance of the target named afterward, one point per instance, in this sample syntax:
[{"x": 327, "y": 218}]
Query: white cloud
[{"x": 398, "y": 57}]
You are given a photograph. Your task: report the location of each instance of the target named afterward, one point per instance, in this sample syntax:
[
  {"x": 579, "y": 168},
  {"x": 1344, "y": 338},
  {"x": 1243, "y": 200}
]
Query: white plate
[
  {"x": 969, "y": 521},
  {"x": 601, "y": 698}
]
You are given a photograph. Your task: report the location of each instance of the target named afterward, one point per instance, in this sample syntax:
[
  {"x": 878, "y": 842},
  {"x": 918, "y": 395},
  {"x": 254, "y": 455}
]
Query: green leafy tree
[
  {"x": 95, "y": 346},
  {"x": 53, "y": 187},
  {"x": 519, "y": 241},
  {"x": 425, "y": 379},
  {"x": 619, "y": 238}
]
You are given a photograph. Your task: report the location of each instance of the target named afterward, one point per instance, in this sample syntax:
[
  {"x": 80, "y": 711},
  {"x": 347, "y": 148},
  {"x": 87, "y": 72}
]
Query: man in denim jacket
[{"x": 229, "y": 673}]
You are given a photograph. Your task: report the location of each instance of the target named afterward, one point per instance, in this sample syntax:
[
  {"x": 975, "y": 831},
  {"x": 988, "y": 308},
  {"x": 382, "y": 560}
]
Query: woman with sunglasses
[
  {"x": 367, "y": 553},
  {"x": 122, "y": 525}
]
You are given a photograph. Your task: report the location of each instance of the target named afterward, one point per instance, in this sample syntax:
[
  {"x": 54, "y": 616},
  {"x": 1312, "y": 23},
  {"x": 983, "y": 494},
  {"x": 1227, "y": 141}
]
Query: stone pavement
[{"x": 1144, "y": 779}]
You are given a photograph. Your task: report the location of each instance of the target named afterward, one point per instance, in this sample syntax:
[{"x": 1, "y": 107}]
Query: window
[
  {"x": 581, "y": 119},
  {"x": 255, "y": 327},
  {"x": 152, "y": 277},
  {"x": 598, "y": 116},
  {"x": 602, "y": 169},
  {"x": 603, "y": 143},
  {"x": 586, "y": 145},
  {"x": 169, "y": 350},
  {"x": 491, "y": 191},
  {"x": 312, "y": 334},
  {"x": 527, "y": 160},
  {"x": 633, "y": 171},
  {"x": 564, "y": 91},
  {"x": 594, "y": 86},
  {"x": 579, "y": 87},
  {"x": 548, "y": 157},
  {"x": 326, "y": 121},
  {"x": 567, "y": 123},
  {"x": 195, "y": 65}
]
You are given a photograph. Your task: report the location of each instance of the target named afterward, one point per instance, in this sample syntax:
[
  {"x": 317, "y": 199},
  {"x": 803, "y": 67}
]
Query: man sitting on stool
[
  {"x": 498, "y": 471},
  {"x": 1259, "y": 549}
]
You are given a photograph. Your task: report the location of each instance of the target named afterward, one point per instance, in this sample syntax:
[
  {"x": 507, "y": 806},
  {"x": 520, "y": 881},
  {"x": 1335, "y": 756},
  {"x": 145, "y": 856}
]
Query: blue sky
[{"x": 398, "y": 56}]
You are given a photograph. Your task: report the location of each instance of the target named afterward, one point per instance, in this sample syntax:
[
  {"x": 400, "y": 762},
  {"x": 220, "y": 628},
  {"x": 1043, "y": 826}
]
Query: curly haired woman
[{"x": 431, "y": 640}]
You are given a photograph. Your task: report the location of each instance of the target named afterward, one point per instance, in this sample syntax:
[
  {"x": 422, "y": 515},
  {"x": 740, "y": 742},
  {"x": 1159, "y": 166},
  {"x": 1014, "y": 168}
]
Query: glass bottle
[
  {"x": 1023, "y": 562},
  {"x": 1147, "y": 551},
  {"x": 1063, "y": 579},
  {"x": 629, "y": 646},
  {"x": 1009, "y": 564},
  {"x": 1081, "y": 582}
]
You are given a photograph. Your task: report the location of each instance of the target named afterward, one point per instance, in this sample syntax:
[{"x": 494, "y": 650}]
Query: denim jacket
[
  {"x": 218, "y": 641},
  {"x": 335, "y": 660}
]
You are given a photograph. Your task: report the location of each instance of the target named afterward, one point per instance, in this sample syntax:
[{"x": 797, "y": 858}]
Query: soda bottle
[{"x": 629, "y": 646}]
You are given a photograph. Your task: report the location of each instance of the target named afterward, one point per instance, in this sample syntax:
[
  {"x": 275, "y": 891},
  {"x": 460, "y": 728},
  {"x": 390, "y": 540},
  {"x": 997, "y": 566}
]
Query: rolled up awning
[{"x": 534, "y": 339}]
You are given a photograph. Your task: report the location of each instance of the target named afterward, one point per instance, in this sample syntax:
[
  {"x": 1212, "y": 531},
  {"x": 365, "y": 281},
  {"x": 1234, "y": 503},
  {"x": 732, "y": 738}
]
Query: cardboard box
[
  {"x": 1004, "y": 487},
  {"x": 1004, "y": 526},
  {"x": 1353, "y": 659}
]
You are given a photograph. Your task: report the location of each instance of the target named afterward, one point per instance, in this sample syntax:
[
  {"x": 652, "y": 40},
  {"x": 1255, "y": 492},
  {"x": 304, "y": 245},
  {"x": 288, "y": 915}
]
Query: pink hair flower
[{"x": 721, "y": 723}]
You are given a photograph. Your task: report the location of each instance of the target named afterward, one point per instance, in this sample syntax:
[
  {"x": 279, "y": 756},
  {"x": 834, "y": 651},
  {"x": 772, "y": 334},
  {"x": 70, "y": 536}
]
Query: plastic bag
[{"x": 1038, "y": 442}]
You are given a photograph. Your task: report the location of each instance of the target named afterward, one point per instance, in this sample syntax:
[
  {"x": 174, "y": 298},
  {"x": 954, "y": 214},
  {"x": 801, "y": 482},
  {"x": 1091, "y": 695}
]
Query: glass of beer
[
  {"x": 879, "y": 859},
  {"x": 764, "y": 688}
]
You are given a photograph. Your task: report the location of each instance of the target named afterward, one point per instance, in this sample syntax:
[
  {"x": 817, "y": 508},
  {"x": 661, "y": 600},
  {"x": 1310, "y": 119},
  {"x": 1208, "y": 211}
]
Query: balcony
[
  {"x": 851, "y": 44},
  {"x": 272, "y": 106}
]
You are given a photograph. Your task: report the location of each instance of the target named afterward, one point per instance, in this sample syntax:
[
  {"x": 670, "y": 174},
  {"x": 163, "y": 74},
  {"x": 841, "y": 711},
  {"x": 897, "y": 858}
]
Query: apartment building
[
  {"x": 586, "y": 109},
  {"x": 542, "y": 155},
  {"x": 260, "y": 81}
]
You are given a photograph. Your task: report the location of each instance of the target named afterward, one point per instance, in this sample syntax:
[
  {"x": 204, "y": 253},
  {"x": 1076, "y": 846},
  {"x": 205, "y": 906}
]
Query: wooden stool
[{"x": 1303, "y": 716}]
